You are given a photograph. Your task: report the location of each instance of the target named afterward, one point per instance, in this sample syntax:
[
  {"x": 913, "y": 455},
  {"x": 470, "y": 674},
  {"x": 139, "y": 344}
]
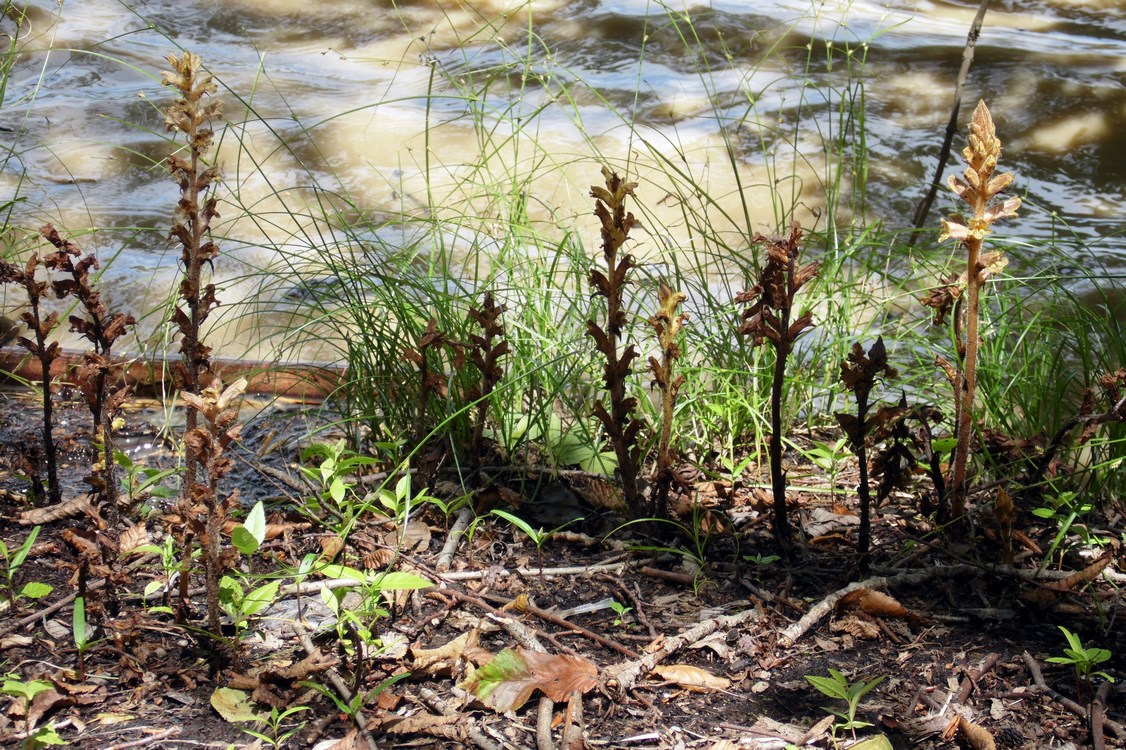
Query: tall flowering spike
[{"x": 978, "y": 186}]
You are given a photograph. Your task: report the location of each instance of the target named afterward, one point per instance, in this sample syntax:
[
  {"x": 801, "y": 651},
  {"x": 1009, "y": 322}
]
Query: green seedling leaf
[
  {"x": 25, "y": 548},
  {"x": 400, "y": 581},
  {"x": 78, "y": 623},
  {"x": 43, "y": 736},
  {"x": 519, "y": 523},
  {"x": 28, "y": 690},
  {"x": 343, "y": 571},
  {"x": 248, "y": 537},
  {"x": 36, "y": 590},
  {"x": 879, "y": 742},
  {"x": 260, "y": 598},
  {"x": 233, "y": 705},
  {"x": 337, "y": 489}
]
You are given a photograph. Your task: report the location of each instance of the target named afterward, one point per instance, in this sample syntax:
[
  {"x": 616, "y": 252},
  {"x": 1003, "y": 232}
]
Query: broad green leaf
[
  {"x": 343, "y": 571},
  {"x": 879, "y": 742},
  {"x": 337, "y": 490},
  {"x": 256, "y": 522},
  {"x": 260, "y": 598},
  {"x": 400, "y": 581},
  {"x": 78, "y": 622},
  {"x": 28, "y": 689},
  {"x": 36, "y": 590}
]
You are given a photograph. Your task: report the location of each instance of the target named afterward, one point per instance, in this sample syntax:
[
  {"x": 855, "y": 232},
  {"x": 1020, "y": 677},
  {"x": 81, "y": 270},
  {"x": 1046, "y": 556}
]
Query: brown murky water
[{"x": 349, "y": 110}]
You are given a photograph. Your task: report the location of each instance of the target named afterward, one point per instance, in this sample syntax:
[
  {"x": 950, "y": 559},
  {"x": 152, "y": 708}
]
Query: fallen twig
[
  {"x": 627, "y": 673},
  {"x": 971, "y": 679},
  {"x": 446, "y": 556},
  {"x": 146, "y": 740}
]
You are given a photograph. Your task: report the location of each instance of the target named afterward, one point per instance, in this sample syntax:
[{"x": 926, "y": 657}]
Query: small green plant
[
  {"x": 275, "y": 722},
  {"x": 1064, "y": 509},
  {"x": 620, "y": 611},
  {"x": 829, "y": 457},
  {"x": 139, "y": 482},
  {"x": 241, "y": 603},
  {"x": 837, "y": 686},
  {"x": 28, "y": 689},
  {"x": 352, "y": 708},
  {"x": 536, "y": 536},
  {"x": 171, "y": 564},
  {"x": 1083, "y": 661},
  {"x": 337, "y": 504},
  {"x": 771, "y": 317},
  {"x": 78, "y": 629},
  {"x": 12, "y": 562}
]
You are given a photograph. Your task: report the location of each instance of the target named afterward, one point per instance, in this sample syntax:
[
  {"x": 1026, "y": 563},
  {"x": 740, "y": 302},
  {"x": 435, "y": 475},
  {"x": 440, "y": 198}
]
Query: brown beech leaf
[
  {"x": 506, "y": 683},
  {"x": 73, "y": 507},
  {"x": 978, "y": 737},
  {"x": 876, "y": 603},
  {"x": 692, "y": 678}
]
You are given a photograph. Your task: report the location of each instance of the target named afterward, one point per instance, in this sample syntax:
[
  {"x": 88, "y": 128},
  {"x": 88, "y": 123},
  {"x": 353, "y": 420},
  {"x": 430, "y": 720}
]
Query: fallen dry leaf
[
  {"x": 877, "y": 604},
  {"x": 65, "y": 509},
  {"x": 132, "y": 538},
  {"x": 692, "y": 678},
  {"x": 506, "y": 682},
  {"x": 856, "y": 627},
  {"x": 444, "y": 660}
]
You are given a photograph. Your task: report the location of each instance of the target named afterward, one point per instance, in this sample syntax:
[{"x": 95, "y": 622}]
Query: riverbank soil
[{"x": 685, "y": 635}]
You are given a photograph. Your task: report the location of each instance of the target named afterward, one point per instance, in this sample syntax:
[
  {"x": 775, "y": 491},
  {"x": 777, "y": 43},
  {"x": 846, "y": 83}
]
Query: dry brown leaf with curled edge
[
  {"x": 692, "y": 678},
  {"x": 1048, "y": 593},
  {"x": 856, "y": 627},
  {"x": 876, "y": 603},
  {"x": 65, "y": 509},
  {"x": 978, "y": 737}
]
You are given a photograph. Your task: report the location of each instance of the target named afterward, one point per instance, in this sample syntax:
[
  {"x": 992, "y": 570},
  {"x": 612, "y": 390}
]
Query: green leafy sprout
[{"x": 837, "y": 686}]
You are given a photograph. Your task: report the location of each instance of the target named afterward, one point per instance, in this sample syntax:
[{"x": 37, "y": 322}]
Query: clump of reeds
[
  {"x": 977, "y": 188},
  {"x": 620, "y": 426},
  {"x": 96, "y": 373},
  {"x": 772, "y": 318}
]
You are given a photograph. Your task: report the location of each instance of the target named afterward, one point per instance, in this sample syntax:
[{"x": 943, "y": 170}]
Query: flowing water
[{"x": 360, "y": 112}]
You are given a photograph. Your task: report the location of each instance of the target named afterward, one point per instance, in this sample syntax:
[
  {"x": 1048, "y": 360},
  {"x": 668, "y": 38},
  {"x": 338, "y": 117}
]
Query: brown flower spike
[{"x": 978, "y": 186}]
